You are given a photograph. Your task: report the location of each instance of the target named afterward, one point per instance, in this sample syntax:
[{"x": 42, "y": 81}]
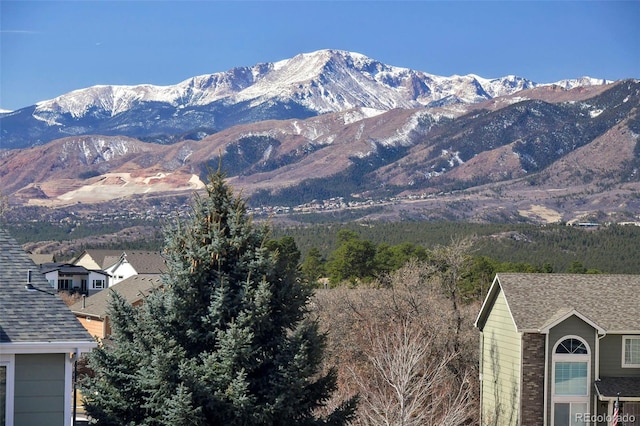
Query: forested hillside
[{"x": 610, "y": 249}]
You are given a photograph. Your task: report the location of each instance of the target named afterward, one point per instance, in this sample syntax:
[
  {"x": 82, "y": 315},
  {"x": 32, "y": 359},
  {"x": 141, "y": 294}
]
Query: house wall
[
  {"x": 94, "y": 326},
  {"x": 532, "y": 388},
  {"x": 97, "y": 276},
  {"x": 572, "y": 326},
  {"x": 611, "y": 358},
  {"x": 52, "y": 278},
  {"x": 123, "y": 269},
  {"x": 76, "y": 279},
  {"x": 88, "y": 262},
  {"x": 39, "y": 390},
  {"x": 500, "y": 366}
]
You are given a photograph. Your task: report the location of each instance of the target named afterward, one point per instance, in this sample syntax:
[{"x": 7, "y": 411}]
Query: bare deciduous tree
[
  {"x": 410, "y": 385},
  {"x": 393, "y": 341}
]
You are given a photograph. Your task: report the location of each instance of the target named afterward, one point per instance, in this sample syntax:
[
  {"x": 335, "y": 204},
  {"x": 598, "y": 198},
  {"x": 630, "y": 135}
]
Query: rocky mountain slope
[
  {"x": 543, "y": 154},
  {"x": 304, "y": 86}
]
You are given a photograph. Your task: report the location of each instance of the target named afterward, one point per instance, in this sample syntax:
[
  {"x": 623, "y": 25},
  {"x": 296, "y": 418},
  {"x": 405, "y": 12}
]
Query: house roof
[
  {"x": 101, "y": 257},
  {"x": 66, "y": 268},
  {"x": 39, "y": 259},
  {"x": 132, "y": 289},
  {"x": 609, "y": 388},
  {"x": 31, "y": 316},
  {"x": 144, "y": 262},
  {"x": 538, "y": 301}
]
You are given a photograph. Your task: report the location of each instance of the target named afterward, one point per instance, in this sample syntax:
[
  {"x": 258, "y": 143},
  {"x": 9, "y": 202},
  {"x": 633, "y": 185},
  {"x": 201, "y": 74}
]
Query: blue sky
[{"x": 49, "y": 48}]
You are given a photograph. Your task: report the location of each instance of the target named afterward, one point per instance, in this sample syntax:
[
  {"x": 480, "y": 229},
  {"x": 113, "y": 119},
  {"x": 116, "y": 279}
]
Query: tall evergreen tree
[
  {"x": 225, "y": 341},
  {"x": 313, "y": 266}
]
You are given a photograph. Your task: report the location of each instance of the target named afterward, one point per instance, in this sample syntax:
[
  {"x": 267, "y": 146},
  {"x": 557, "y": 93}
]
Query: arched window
[
  {"x": 571, "y": 378},
  {"x": 572, "y": 346}
]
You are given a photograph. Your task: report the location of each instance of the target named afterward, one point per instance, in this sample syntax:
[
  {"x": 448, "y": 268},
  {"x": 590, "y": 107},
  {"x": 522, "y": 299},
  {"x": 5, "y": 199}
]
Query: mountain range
[{"x": 333, "y": 125}]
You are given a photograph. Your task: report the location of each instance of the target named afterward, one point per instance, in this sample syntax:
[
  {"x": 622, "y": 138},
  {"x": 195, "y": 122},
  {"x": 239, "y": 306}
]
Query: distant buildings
[
  {"x": 95, "y": 270},
  {"x": 92, "y": 311}
]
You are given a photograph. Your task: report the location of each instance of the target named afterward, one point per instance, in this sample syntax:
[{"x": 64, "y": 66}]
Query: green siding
[
  {"x": 500, "y": 366},
  {"x": 39, "y": 390},
  {"x": 611, "y": 358}
]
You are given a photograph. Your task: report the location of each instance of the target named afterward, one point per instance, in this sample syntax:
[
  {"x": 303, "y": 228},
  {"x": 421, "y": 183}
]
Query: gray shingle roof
[
  {"x": 611, "y": 387},
  {"x": 31, "y": 316},
  {"x": 536, "y": 300},
  {"x": 146, "y": 262},
  {"x": 132, "y": 289},
  {"x": 66, "y": 268}
]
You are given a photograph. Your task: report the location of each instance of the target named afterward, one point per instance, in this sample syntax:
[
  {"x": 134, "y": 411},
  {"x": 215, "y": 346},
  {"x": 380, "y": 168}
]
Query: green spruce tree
[{"x": 225, "y": 341}]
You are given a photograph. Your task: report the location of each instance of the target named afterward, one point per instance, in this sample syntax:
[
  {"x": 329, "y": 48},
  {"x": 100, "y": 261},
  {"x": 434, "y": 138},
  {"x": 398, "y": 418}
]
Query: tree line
[{"x": 510, "y": 247}]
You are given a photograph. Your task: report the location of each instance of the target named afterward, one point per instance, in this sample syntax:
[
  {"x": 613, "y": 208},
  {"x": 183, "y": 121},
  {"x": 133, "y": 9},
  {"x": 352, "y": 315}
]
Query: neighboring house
[
  {"x": 39, "y": 341},
  {"x": 92, "y": 310},
  {"x": 73, "y": 278},
  {"x": 121, "y": 264},
  {"x": 559, "y": 349},
  {"x": 39, "y": 259}
]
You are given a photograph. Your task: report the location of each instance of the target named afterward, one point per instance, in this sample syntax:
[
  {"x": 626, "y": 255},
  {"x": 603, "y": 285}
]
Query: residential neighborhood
[
  {"x": 555, "y": 349},
  {"x": 40, "y": 342},
  {"x": 41, "y": 338},
  {"x": 95, "y": 270}
]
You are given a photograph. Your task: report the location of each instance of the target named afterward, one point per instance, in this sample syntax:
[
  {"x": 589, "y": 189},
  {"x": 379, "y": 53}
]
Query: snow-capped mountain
[
  {"x": 569, "y": 152},
  {"x": 306, "y": 85}
]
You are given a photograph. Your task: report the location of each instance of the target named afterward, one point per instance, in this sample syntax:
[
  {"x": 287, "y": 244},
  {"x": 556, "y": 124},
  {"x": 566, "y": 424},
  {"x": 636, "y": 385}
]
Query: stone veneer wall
[{"x": 532, "y": 383}]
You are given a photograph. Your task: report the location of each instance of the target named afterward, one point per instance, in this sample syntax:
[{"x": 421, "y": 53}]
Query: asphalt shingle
[
  {"x": 623, "y": 387},
  {"x": 31, "y": 316},
  {"x": 133, "y": 289},
  {"x": 611, "y": 301}
]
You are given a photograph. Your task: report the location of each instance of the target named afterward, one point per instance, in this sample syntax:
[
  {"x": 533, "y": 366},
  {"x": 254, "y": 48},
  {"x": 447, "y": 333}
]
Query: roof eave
[
  {"x": 491, "y": 295},
  {"x": 570, "y": 313},
  {"x": 87, "y": 314},
  {"x": 47, "y": 347}
]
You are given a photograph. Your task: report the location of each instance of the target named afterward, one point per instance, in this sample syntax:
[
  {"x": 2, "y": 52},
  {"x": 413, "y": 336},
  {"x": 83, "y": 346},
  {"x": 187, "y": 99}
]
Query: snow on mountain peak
[{"x": 326, "y": 80}]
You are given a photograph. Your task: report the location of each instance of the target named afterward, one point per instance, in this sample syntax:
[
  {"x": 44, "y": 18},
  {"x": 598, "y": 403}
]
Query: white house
[
  {"x": 120, "y": 265},
  {"x": 72, "y": 278}
]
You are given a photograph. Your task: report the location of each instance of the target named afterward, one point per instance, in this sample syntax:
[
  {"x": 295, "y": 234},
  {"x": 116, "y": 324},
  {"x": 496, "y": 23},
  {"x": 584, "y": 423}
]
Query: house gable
[
  {"x": 95, "y": 259},
  {"x": 572, "y": 326},
  {"x": 500, "y": 363}
]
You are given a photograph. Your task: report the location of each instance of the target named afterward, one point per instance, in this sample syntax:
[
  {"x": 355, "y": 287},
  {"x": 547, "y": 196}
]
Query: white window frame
[
  {"x": 569, "y": 399},
  {"x": 8, "y": 361},
  {"x": 624, "y": 339},
  {"x": 102, "y": 284}
]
